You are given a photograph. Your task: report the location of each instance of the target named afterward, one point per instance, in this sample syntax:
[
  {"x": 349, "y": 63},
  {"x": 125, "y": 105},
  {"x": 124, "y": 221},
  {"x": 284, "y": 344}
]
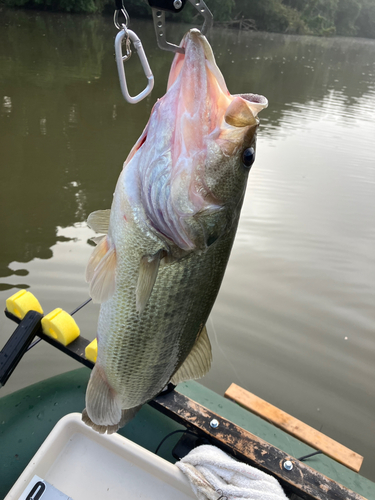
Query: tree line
[{"x": 303, "y": 17}]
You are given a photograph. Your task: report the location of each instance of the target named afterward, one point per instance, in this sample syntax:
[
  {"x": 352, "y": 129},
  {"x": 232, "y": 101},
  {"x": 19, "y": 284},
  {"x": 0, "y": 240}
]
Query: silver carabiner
[{"x": 120, "y": 59}]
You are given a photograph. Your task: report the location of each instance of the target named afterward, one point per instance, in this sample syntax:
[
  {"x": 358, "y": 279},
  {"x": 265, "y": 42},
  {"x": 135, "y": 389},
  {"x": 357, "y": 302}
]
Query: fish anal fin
[
  {"x": 148, "y": 271},
  {"x": 101, "y": 271},
  {"x": 127, "y": 415},
  {"x": 99, "y": 221},
  {"x": 198, "y": 362},
  {"x": 103, "y": 411}
]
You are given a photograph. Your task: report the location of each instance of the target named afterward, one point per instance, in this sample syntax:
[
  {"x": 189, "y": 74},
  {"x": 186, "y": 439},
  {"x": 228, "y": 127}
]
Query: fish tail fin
[{"x": 103, "y": 411}]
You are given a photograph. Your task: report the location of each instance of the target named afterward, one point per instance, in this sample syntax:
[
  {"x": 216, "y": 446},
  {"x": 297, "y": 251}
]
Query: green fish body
[{"x": 159, "y": 265}]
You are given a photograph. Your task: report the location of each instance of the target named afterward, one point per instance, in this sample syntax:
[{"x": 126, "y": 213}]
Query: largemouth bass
[{"x": 166, "y": 241}]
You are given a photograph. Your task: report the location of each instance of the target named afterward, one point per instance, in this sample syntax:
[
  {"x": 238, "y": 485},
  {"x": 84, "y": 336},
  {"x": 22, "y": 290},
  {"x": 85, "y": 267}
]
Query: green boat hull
[{"x": 28, "y": 416}]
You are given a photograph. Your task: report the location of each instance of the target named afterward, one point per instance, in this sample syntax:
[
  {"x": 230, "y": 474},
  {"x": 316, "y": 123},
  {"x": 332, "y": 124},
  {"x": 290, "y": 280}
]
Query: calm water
[{"x": 294, "y": 322}]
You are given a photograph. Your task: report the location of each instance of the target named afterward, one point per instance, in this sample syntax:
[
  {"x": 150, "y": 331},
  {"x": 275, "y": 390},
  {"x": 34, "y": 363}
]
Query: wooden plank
[
  {"x": 245, "y": 446},
  {"x": 295, "y": 427}
]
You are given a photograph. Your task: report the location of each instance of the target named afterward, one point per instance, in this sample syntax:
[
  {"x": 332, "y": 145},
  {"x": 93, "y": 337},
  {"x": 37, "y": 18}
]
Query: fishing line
[
  {"x": 171, "y": 434},
  {"x": 223, "y": 352},
  {"x": 71, "y": 314},
  {"x": 81, "y": 306},
  {"x": 305, "y": 457}
]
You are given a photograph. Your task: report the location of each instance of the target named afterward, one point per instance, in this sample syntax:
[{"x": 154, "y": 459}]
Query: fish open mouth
[
  {"x": 256, "y": 102},
  {"x": 254, "y": 98}
]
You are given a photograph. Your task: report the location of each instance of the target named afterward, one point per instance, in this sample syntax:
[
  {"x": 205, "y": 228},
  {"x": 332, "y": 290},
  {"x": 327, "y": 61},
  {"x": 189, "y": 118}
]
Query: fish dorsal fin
[
  {"x": 198, "y": 361},
  {"x": 99, "y": 221},
  {"x": 148, "y": 271},
  {"x": 103, "y": 411},
  {"x": 101, "y": 271}
]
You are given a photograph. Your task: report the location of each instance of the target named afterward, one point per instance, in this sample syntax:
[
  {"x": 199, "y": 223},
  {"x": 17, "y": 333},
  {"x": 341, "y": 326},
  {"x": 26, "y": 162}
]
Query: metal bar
[{"x": 245, "y": 446}]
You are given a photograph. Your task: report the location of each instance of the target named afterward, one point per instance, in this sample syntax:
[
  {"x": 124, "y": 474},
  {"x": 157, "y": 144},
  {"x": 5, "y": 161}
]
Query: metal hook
[
  {"x": 120, "y": 59},
  {"x": 159, "y": 24},
  {"x": 116, "y": 18}
]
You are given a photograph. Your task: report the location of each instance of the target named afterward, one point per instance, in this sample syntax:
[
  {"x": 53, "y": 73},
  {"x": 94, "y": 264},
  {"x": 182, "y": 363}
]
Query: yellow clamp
[
  {"x": 21, "y": 303},
  {"x": 60, "y": 325},
  {"x": 91, "y": 351}
]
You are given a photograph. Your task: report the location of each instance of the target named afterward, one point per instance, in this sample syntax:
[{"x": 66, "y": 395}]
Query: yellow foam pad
[
  {"x": 59, "y": 325},
  {"x": 91, "y": 351},
  {"x": 22, "y": 302}
]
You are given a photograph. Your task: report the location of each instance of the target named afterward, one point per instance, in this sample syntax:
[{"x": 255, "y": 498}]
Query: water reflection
[
  {"x": 61, "y": 142},
  {"x": 294, "y": 319}
]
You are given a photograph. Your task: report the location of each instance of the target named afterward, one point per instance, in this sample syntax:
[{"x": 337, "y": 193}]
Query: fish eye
[{"x": 248, "y": 157}]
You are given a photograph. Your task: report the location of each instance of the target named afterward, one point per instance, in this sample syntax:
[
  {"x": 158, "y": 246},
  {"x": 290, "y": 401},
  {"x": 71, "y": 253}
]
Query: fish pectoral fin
[
  {"x": 198, "y": 361},
  {"x": 99, "y": 221},
  {"x": 101, "y": 271},
  {"x": 148, "y": 271},
  {"x": 103, "y": 412}
]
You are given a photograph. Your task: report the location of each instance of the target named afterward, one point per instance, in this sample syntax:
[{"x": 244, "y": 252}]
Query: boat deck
[{"x": 28, "y": 415}]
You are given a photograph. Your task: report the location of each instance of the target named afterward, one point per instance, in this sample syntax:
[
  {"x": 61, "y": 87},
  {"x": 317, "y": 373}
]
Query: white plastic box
[{"x": 83, "y": 464}]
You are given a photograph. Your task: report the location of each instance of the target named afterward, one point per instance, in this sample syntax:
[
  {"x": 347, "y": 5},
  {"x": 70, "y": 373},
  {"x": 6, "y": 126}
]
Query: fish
[{"x": 164, "y": 245}]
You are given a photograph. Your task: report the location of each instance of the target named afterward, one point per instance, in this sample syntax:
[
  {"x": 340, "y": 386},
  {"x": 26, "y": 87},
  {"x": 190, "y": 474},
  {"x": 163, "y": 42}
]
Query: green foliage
[
  {"x": 346, "y": 16},
  {"x": 89, "y": 6},
  {"x": 271, "y": 15},
  {"x": 316, "y": 17},
  {"x": 365, "y": 22}
]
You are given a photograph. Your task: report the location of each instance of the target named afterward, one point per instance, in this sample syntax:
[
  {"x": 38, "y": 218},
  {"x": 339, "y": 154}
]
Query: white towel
[{"x": 213, "y": 475}]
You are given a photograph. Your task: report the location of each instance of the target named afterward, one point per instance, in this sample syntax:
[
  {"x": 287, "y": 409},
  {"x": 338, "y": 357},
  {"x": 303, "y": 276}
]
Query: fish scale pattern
[{"x": 140, "y": 353}]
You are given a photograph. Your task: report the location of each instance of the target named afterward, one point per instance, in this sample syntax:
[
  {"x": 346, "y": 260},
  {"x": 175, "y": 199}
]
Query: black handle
[
  {"x": 18, "y": 343},
  {"x": 167, "y": 5}
]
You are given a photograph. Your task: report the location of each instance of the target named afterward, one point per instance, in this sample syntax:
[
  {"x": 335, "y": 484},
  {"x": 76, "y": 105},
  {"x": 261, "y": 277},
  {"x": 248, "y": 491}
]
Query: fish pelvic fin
[
  {"x": 198, "y": 362},
  {"x": 101, "y": 271},
  {"x": 148, "y": 272},
  {"x": 99, "y": 221}
]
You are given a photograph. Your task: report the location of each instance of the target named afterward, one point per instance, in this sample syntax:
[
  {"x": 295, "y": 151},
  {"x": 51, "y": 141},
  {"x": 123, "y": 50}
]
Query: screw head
[
  {"x": 288, "y": 465},
  {"x": 214, "y": 423},
  {"x": 177, "y": 4}
]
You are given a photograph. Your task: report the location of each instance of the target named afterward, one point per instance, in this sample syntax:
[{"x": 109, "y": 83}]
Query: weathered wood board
[{"x": 295, "y": 427}]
